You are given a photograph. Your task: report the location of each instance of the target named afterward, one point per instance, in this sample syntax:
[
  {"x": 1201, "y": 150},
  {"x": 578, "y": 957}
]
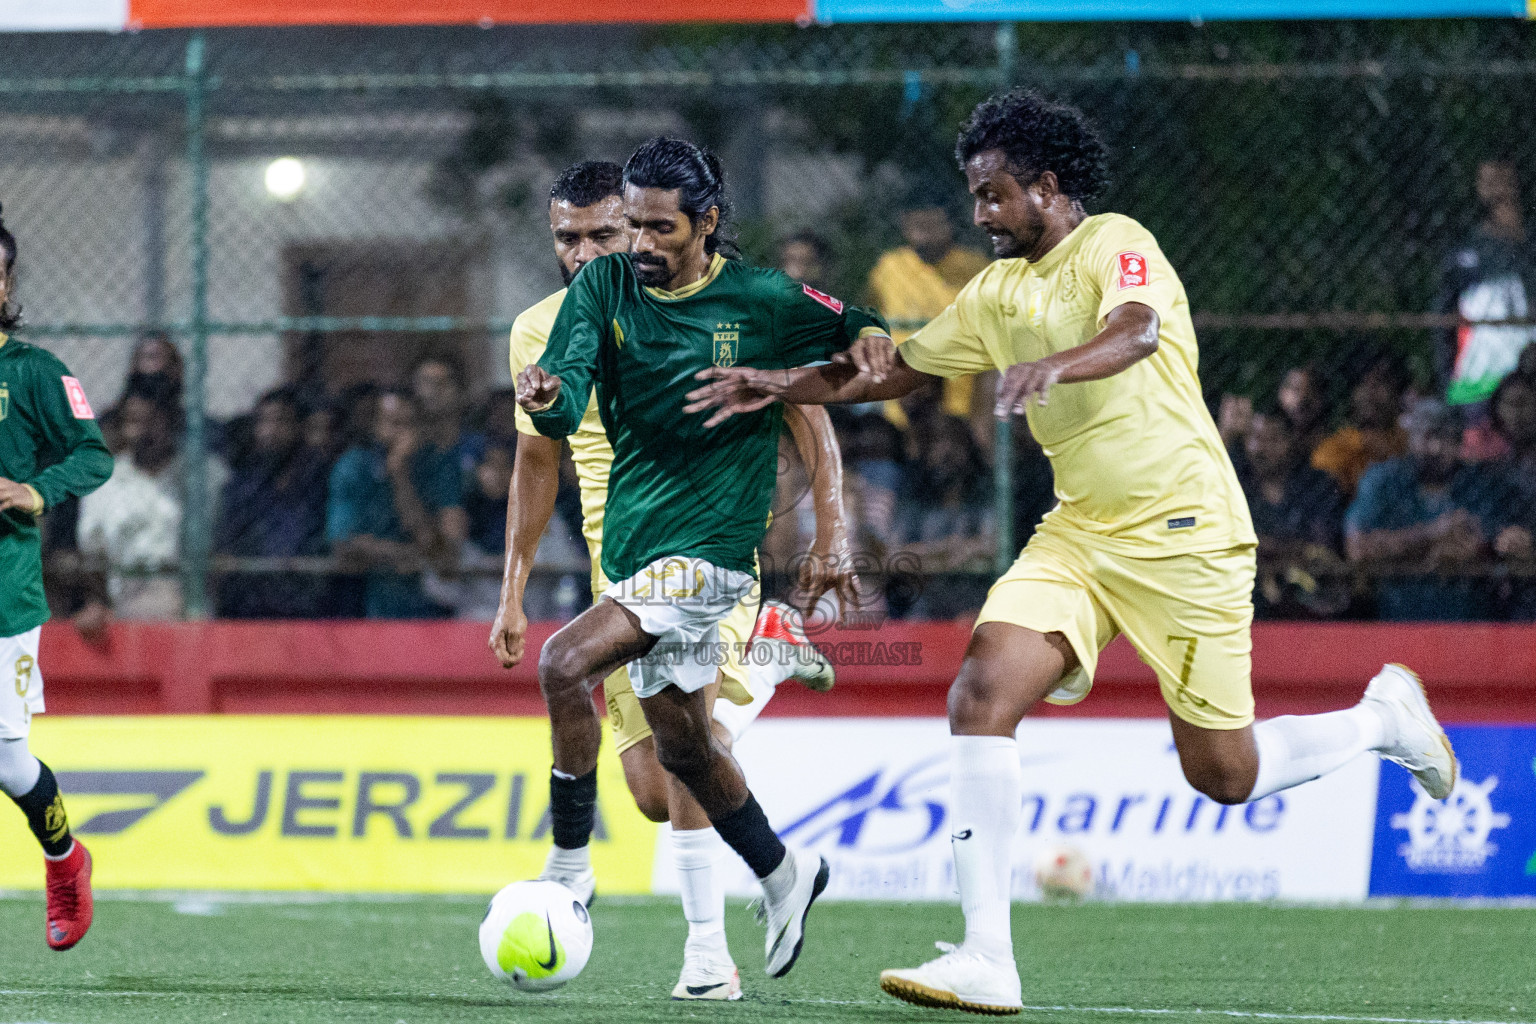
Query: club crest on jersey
[
  {"x": 78, "y": 404},
  {"x": 727, "y": 344},
  {"x": 1133, "y": 270},
  {"x": 835, "y": 305}
]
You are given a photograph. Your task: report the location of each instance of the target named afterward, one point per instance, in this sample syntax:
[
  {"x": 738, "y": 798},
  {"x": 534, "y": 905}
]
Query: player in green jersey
[
  {"x": 687, "y": 507},
  {"x": 45, "y": 421}
]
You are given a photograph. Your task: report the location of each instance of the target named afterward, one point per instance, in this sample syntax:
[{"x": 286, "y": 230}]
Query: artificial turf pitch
[{"x": 416, "y": 960}]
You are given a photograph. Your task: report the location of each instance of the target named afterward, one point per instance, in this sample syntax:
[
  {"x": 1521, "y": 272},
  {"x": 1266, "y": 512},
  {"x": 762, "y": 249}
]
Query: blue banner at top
[{"x": 1157, "y": 10}]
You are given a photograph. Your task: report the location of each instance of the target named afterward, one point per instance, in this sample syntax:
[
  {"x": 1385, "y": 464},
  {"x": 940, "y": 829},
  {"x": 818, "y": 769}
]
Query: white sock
[
  {"x": 1299, "y": 748},
  {"x": 695, "y": 852},
  {"x": 568, "y": 862},
  {"x": 762, "y": 680},
  {"x": 986, "y": 791},
  {"x": 19, "y": 770}
]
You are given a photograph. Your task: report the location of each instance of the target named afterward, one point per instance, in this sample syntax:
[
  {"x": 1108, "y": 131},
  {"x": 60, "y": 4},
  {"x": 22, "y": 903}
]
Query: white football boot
[
  {"x": 582, "y": 881},
  {"x": 778, "y": 626},
  {"x": 785, "y": 918},
  {"x": 1417, "y": 741},
  {"x": 958, "y": 980},
  {"x": 708, "y": 975}
]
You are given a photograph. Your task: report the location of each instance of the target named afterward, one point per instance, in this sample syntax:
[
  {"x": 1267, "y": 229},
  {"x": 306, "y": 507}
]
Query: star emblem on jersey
[{"x": 727, "y": 344}]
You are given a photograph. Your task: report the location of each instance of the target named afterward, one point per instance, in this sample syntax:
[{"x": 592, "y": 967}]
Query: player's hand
[
  {"x": 873, "y": 354},
  {"x": 1022, "y": 382},
  {"x": 827, "y": 567},
  {"x": 537, "y": 389},
  {"x": 508, "y": 633},
  {"x": 14, "y": 495},
  {"x": 733, "y": 390}
]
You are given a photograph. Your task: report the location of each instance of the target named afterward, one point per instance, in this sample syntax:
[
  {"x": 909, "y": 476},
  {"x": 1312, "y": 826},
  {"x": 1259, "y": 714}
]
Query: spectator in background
[
  {"x": 359, "y": 405},
  {"x": 947, "y": 520},
  {"x": 133, "y": 522},
  {"x": 1304, "y": 404},
  {"x": 1489, "y": 279},
  {"x": 394, "y": 505},
  {"x": 320, "y": 431},
  {"x": 914, "y": 283},
  {"x": 1298, "y": 515},
  {"x": 474, "y": 590},
  {"x": 438, "y": 388},
  {"x": 1513, "y": 410},
  {"x": 1432, "y": 515},
  {"x": 155, "y": 370},
  {"x": 500, "y": 419},
  {"x": 274, "y": 507},
  {"x": 1374, "y": 435},
  {"x": 806, "y": 257}
]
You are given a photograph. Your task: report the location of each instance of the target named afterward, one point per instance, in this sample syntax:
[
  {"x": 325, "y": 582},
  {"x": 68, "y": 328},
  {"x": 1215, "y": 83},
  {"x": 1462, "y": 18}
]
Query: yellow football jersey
[
  {"x": 590, "y": 449},
  {"x": 1140, "y": 469}
]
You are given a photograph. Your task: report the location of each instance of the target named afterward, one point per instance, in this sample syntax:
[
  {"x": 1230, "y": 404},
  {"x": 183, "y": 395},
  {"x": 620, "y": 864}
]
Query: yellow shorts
[
  {"x": 1189, "y": 617},
  {"x": 624, "y": 715}
]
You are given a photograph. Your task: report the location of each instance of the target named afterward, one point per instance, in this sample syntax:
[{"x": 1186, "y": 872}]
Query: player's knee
[
  {"x": 972, "y": 696},
  {"x": 562, "y": 672},
  {"x": 647, "y": 784},
  {"x": 1225, "y": 783}
]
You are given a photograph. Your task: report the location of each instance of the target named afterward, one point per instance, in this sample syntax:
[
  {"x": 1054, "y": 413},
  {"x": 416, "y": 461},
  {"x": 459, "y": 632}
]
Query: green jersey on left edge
[
  {"x": 49, "y": 440},
  {"x": 677, "y": 487}
]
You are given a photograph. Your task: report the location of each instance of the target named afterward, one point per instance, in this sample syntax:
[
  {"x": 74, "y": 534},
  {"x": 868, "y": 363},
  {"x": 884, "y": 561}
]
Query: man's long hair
[{"x": 697, "y": 176}]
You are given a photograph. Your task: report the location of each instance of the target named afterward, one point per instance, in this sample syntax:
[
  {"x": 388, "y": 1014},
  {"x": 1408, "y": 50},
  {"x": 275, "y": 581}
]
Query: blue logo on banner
[{"x": 1479, "y": 841}]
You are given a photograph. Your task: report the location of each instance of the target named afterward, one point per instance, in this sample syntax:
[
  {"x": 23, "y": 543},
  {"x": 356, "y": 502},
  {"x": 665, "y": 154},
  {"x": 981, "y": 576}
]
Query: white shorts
[
  {"x": 680, "y": 601},
  {"x": 21, "y": 684}
]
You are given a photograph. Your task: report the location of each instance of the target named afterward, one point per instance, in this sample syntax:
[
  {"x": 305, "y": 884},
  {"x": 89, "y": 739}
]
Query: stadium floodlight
[{"x": 285, "y": 178}]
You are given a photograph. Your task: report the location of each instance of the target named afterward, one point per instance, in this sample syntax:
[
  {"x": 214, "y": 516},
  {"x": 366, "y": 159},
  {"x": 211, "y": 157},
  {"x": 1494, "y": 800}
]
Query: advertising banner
[
  {"x": 870, "y": 795},
  {"x": 1479, "y": 841},
  {"x": 64, "y": 15},
  {"x": 1157, "y": 10},
  {"x": 338, "y": 803}
]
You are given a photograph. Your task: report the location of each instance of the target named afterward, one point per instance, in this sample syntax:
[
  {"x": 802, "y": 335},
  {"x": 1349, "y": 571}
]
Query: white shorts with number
[
  {"x": 21, "y": 683},
  {"x": 680, "y": 601}
]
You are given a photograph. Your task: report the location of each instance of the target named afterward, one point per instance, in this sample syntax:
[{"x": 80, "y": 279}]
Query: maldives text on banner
[
  {"x": 877, "y": 811},
  {"x": 340, "y": 803}
]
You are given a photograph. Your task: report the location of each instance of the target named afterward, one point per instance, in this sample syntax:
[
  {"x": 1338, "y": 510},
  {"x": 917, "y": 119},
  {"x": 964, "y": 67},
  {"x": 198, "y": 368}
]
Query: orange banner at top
[{"x": 231, "y": 13}]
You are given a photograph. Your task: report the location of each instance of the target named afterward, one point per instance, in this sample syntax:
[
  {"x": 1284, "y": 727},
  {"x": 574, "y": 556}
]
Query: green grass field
[{"x": 415, "y": 961}]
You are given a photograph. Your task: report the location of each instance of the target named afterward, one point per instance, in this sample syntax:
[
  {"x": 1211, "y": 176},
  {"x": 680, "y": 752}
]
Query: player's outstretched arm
[
  {"x": 732, "y": 390},
  {"x": 830, "y": 563},
  {"x": 1129, "y": 336},
  {"x": 530, "y": 504}
]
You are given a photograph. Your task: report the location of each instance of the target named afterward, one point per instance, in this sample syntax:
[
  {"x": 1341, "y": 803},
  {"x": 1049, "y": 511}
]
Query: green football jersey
[
  {"x": 48, "y": 439},
  {"x": 677, "y": 487}
]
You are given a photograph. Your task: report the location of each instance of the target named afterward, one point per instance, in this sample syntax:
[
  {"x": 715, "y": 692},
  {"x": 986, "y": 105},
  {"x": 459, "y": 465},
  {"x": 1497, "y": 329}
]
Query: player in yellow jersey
[
  {"x": 587, "y": 221},
  {"x": 1151, "y": 536}
]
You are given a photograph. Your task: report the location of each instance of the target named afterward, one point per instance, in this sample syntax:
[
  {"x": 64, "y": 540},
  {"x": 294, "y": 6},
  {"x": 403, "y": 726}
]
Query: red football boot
[{"x": 69, "y": 897}]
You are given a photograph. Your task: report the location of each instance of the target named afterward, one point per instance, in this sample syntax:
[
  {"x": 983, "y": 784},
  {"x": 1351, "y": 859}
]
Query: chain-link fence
[{"x": 322, "y": 210}]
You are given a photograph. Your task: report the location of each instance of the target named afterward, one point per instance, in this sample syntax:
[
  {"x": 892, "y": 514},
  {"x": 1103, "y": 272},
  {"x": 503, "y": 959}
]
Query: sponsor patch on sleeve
[
  {"x": 78, "y": 403},
  {"x": 1133, "y": 270},
  {"x": 835, "y": 305}
]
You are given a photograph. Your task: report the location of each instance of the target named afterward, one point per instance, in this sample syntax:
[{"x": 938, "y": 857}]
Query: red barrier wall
[{"x": 1475, "y": 672}]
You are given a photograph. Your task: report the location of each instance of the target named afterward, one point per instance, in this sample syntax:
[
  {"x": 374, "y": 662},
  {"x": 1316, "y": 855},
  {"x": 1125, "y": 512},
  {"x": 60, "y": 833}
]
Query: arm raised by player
[
  {"x": 555, "y": 390},
  {"x": 530, "y": 504},
  {"x": 1129, "y": 336},
  {"x": 732, "y": 390},
  {"x": 830, "y": 562}
]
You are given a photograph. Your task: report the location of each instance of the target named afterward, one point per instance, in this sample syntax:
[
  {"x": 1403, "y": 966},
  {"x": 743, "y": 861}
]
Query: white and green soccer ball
[{"x": 536, "y": 936}]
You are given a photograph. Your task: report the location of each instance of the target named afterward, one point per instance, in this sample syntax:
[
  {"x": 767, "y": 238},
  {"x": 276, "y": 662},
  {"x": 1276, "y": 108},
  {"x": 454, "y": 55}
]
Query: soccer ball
[
  {"x": 535, "y": 936},
  {"x": 1063, "y": 872}
]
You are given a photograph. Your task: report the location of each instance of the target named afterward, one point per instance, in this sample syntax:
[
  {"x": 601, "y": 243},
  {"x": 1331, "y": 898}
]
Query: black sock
[
  {"x": 746, "y": 830},
  {"x": 44, "y": 809},
  {"x": 571, "y": 805}
]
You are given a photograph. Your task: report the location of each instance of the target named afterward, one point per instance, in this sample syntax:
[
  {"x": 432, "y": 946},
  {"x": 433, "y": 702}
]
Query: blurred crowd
[{"x": 1373, "y": 494}]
